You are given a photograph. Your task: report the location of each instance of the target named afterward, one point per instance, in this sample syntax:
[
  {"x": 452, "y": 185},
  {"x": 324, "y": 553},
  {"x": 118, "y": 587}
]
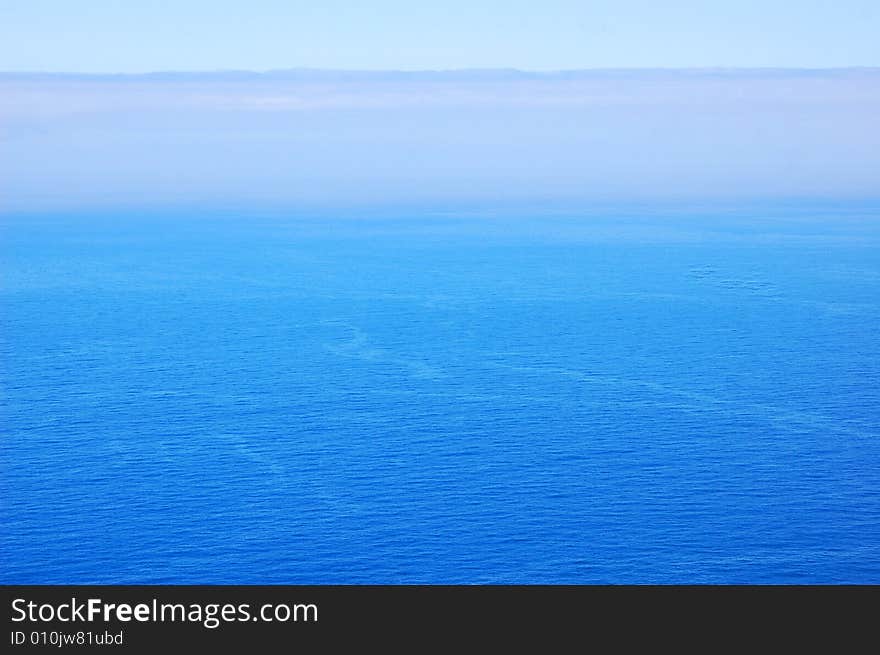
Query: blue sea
[{"x": 442, "y": 397}]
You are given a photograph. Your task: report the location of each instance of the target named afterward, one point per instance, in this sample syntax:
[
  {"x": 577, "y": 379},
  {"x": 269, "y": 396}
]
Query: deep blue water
[{"x": 429, "y": 399}]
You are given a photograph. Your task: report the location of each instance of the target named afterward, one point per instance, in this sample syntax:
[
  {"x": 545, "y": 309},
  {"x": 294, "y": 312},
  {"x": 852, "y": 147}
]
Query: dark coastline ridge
[{"x": 451, "y": 75}]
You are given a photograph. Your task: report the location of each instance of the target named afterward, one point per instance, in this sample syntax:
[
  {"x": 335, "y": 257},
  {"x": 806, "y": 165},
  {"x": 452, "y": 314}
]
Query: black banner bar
[{"x": 154, "y": 618}]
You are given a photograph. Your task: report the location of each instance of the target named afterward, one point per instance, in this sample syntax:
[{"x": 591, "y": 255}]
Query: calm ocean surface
[{"x": 430, "y": 399}]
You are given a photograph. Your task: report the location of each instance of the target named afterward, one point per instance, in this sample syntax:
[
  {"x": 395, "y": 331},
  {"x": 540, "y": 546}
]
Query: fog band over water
[{"x": 311, "y": 138}]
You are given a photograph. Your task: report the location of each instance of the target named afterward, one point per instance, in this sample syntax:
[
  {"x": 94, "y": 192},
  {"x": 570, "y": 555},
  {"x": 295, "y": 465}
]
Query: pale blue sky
[{"x": 127, "y": 36}]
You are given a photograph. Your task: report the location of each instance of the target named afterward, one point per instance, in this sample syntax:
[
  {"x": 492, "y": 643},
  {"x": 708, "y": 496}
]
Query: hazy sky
[
  {"x": 322, "y": 139},
  {"x": 306, "y": 140},
  {"x": 129, "y": 36}
]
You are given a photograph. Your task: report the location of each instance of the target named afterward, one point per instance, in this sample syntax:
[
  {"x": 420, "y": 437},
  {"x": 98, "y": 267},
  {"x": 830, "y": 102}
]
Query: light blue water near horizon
[{"x": 415, "y": 398}]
